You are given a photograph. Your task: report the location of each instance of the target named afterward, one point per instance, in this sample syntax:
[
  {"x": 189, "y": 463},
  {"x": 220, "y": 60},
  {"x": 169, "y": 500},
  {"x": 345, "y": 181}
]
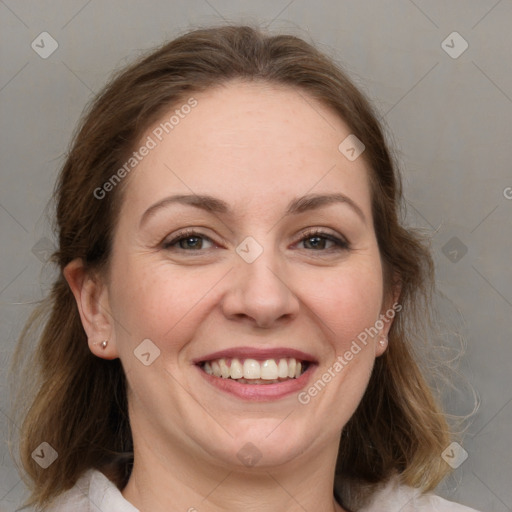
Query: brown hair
[{"x": 397, "y": 428}]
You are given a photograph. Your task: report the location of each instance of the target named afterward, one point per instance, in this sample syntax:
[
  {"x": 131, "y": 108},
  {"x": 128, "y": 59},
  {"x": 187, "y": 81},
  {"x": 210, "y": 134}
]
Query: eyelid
[{"x": 321, "y": 231}]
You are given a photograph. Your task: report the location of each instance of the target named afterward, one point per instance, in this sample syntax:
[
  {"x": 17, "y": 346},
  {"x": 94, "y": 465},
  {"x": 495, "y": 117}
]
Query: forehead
[{"x": 247, "y": 142}]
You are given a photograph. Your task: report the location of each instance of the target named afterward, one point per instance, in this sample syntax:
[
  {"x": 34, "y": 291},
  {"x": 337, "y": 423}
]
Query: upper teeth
[{"x": 269, "y": 369}]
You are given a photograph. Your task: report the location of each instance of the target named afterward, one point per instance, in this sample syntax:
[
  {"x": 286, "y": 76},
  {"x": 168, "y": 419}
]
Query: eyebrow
[{"x": 217, "y": 206}]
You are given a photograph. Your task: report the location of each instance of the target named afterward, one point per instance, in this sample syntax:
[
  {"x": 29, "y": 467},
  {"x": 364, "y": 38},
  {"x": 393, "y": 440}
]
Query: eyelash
[{"x": 341, "y": 244}]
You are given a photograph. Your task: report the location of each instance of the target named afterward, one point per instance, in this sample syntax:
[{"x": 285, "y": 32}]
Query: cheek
[
  {"x": 347, "y": 302},
  {"x": 159, "y": 304}
]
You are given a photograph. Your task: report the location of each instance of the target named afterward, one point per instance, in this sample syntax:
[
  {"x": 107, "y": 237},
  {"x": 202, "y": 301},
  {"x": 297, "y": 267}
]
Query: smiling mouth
[{"x": 252, "y": 371}]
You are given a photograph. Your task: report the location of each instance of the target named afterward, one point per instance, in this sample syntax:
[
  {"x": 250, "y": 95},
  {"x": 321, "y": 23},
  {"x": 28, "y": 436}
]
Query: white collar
[{"x": 95, "y": 493}]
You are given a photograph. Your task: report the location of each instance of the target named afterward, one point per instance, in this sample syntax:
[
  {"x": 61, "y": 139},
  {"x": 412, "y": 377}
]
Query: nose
[{"x": 259, "y": 293}]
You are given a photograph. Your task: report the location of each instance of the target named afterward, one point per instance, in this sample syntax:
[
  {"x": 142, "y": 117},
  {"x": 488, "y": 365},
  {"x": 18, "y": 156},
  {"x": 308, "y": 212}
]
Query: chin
[{"x": 263, "y": 447}]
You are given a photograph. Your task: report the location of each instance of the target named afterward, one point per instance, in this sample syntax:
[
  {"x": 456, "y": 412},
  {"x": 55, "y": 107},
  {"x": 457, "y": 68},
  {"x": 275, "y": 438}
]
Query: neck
[{"x": 166, "y": 480}]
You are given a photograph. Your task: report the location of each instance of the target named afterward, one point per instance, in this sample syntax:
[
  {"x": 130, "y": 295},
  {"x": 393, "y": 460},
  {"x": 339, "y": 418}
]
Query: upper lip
[{"x": 257, "y": 353}]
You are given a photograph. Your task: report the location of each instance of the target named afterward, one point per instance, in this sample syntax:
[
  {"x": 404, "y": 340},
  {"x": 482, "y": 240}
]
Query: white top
[{"x": 95, "y": 493}]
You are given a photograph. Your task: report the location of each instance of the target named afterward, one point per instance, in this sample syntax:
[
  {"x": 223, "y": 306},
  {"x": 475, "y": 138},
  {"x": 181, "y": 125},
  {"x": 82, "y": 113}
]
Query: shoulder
[
  {"x": 93, "y": 492},
  {"x": 401, "y": 498}
]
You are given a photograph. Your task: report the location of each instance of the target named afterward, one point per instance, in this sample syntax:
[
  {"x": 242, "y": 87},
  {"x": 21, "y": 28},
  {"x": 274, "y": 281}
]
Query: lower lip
[{"x": 260, "y": 392}]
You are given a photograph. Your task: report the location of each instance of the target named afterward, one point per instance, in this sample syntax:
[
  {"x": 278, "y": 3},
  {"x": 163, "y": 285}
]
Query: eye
[
  {"x": 314, "y": 240},
  {"x": 318, "y": 240},
  {"x": 188, "y": 241}
]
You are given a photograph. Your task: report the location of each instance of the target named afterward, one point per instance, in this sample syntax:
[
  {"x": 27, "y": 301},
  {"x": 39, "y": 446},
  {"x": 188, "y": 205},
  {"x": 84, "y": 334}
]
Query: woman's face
[{"x": 245, "y": 241}]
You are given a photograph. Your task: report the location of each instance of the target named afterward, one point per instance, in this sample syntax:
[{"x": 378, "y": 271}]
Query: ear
[
  {"x": 390, "y": 308},
  {"x": 91, "y": 295}
]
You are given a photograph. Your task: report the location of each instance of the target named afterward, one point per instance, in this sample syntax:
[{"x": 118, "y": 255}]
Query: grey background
[{"x": 451, "y": 120}]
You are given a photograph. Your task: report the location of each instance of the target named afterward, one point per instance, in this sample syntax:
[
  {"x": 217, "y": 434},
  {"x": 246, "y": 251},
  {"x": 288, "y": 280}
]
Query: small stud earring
[
  {"x": 383, "y": 342},
  {"x": 104, "y": 344}
]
